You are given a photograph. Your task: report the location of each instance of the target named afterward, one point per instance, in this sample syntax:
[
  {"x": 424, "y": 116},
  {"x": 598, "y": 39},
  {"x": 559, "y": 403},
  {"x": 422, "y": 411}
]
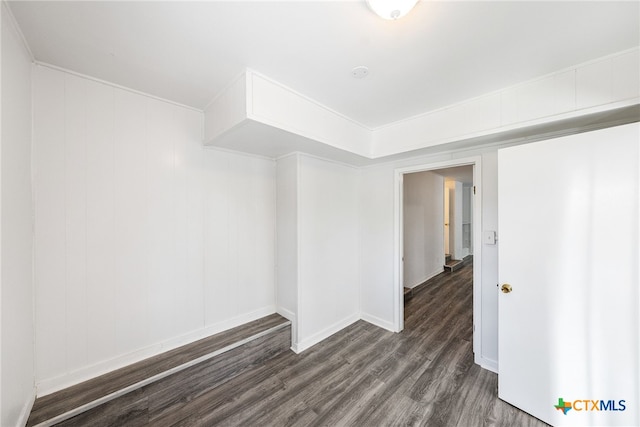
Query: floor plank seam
[{"x": 109, "y": 397}]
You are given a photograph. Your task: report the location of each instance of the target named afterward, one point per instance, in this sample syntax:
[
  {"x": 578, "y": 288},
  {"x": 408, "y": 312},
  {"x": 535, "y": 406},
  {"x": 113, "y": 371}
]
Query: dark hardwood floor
[
  {"x": 89, "y": 393},
  {"x": 362, "y": 376}
]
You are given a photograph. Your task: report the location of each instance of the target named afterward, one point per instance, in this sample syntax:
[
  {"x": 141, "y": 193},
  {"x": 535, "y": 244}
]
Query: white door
[
  {"x": 569, "y": 231},
  {"x": 447, "y": 219}
]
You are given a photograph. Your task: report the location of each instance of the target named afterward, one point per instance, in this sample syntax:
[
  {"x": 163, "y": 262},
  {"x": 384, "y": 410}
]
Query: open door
[
  {"x": 447, "y": 220},
  {"x": 569, "y": 227}
]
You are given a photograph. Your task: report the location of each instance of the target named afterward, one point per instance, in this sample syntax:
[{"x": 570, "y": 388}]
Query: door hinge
[{"x": 474, "y": 189}]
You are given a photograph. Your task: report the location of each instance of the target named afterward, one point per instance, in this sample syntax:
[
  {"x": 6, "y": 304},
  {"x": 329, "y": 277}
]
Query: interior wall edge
[
  {"x": 427, "y": 277},
  {"x": 486, "y": 363},
  {"x": 17, "y": 29},
  {"x": 17, "y": 373},
  {"x": 314, "y": 339},
  {"x": 26, "y": 409},
  {"x": 376, "y": 321},
  {"x": 240, "y": 153},
  {"x": 324, "y": 159},
  {"x": 309, "y": 99}
]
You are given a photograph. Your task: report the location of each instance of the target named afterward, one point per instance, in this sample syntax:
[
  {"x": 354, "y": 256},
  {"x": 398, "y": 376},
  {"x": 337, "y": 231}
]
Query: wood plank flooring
[
  {"x": 58, "y": 403},
  {"x": 362, "y": 376}
]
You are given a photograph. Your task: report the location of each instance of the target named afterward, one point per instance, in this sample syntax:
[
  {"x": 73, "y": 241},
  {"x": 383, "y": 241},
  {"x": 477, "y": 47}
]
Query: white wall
[
  {"x": 423, "y": 211},
  {"x": 144, "y": 239},
  {"x": 17, "y": 389},
  {"x": 598, "y": 85},
  {"x": 377, "y": 242},
  {"x": 317, "y": 247},
  {"x": 376, "y": 198},
  {"x": 287, "y": 271},
  {"x": 329, "y": 253}
]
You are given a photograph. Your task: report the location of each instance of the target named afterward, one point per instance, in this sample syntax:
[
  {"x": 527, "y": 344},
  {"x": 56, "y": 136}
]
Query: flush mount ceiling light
[{"x": 391, "y": 9}]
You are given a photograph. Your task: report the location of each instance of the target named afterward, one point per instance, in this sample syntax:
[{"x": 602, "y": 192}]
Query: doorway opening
[{"x": 438, "y": 194}]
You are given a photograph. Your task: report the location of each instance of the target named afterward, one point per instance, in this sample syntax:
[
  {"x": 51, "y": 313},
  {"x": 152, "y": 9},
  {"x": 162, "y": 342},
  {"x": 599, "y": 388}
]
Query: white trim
[
  {"x": 114, "y": 85},
  {"x": 52, "y": 385},
  {"x": 398, "y": 299},
  {"x": 427, "y": 154},
  {"x": 121, "y": 392},
  {"x": 298, "y": 255},
  {"x": 324, "y": 334},
  {"x": 289, "y": 154},
  {"x": 398, "y": 252},
  {"x": 26, "y": 409},
  {"x": 507, "y": 88},
  {"x": 488, "y": 364},
  {"x": 287, "y": 314},
  {"x": 496, "y": 132},
  {"x": 476, "y": 225},
  {"x": 306, "y": 98},
  {"x": 291, "y": 317},
  {"x": 427, "y": 277},
  {"x": 239, "y": 153},
  {"x": 359, "y": 286},
  {"x": 18, "y": 30},
  {"x": 376, "y": 321},
  {"x": 324, "y": 159}
]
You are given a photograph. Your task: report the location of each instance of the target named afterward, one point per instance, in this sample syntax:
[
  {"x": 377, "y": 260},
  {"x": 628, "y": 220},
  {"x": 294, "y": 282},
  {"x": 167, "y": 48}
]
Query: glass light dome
[{"x": 391, "y": 9}]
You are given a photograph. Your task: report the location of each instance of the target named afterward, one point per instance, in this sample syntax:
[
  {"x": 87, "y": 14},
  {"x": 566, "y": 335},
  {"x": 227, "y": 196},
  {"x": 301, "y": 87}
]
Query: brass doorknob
[{"x": 506, "y": 288}]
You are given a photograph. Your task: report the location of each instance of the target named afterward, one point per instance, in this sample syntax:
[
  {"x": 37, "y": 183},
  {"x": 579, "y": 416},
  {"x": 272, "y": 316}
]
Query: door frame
[{"x": 398, "y": 303}]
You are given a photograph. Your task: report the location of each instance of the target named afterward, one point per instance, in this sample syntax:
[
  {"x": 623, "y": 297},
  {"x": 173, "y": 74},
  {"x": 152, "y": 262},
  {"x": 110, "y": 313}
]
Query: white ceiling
[{"x": 441, "y": 53}]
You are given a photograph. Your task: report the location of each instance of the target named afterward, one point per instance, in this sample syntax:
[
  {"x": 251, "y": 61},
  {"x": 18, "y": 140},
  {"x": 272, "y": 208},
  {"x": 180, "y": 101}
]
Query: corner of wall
[
  {"x": 228, "y": 109},
  {"x": 488, "y": 364},
  {"x": 325, "y": 333},
  {"x": 376, "y": 321},
  {"x": 17, "y": 390},
  {"x": 26, "y": 409}
]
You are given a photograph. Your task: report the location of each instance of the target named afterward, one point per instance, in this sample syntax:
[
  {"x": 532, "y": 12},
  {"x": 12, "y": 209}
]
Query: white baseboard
[
  {"x": 488, "y": 364},
  {"x": 287, "y": 314},
  {"x": 291, "y": 316},
  {"x": 323, "y": 334},
  {"x": 26, "y": 409},
  {"x": 51, "y": 385},
  {"x": 381, "y": 323},
  {"x": 427, "y": 277}
]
